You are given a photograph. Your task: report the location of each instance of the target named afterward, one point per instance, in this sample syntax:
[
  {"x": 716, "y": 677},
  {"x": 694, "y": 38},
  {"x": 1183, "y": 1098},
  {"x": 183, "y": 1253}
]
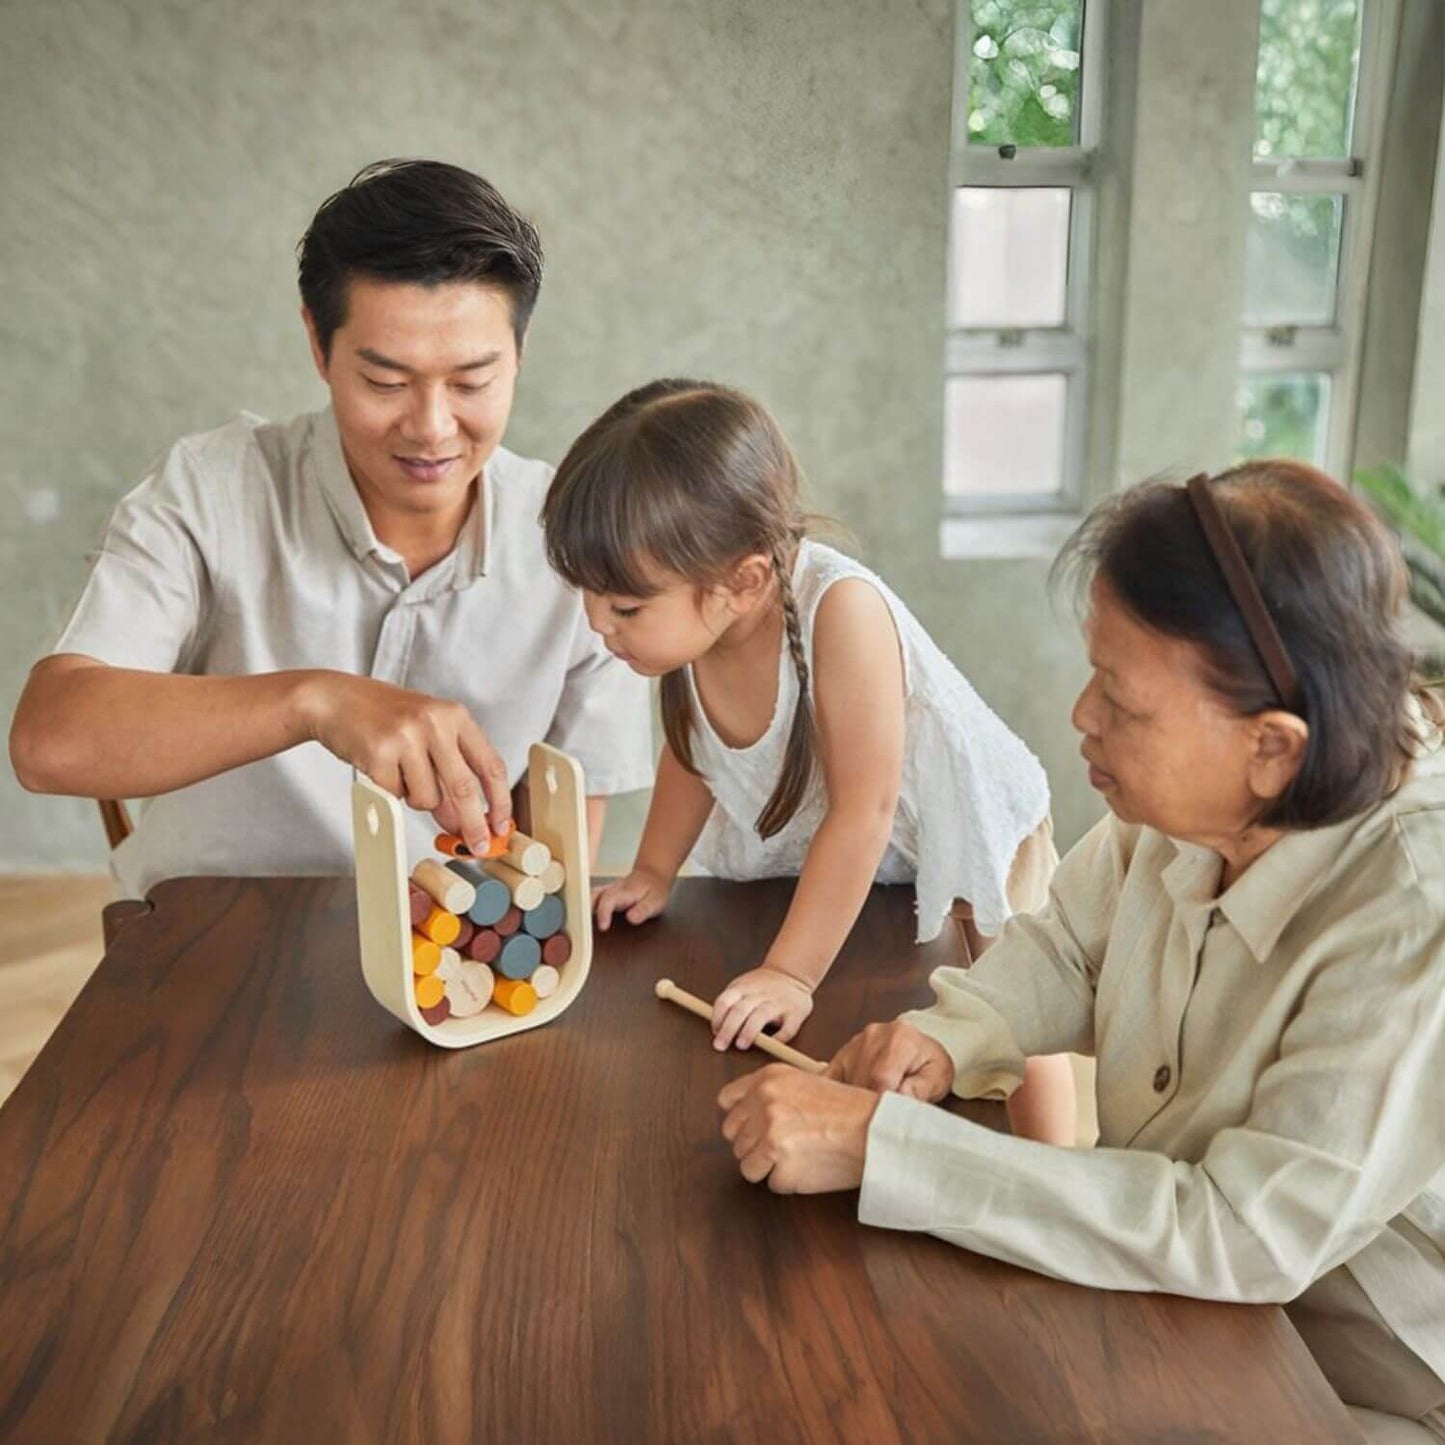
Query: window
[
  {"x": 1317, "y": 96},
  {"x": 1026, "y": 126}
]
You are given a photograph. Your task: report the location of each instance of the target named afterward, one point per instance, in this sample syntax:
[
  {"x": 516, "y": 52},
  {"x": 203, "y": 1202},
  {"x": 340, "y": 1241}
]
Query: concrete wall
[{"x": 746, "y": 190}]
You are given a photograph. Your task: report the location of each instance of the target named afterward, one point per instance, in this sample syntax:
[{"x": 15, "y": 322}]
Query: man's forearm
[{"x": 106, "y": 732}]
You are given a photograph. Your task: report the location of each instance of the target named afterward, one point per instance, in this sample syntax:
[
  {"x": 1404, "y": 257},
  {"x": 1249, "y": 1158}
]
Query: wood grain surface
[{"x": 241, "y": 1202}]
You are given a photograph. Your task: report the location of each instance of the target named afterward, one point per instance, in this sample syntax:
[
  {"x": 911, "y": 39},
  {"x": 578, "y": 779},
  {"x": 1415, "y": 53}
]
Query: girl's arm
[
  {"x": 681, "y": 802},
  {"x": 859, "y": 726}
]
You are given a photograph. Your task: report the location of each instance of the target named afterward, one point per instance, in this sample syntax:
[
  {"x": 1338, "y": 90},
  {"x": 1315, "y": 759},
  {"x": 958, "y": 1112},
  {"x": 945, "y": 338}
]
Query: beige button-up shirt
[
  {"x": 248, "y": 550},
  {"x": 1271, "y": 1086}
]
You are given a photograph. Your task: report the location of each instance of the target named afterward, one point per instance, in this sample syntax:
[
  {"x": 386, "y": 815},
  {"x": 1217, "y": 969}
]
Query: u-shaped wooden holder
[{"x": 559, "y": 819}]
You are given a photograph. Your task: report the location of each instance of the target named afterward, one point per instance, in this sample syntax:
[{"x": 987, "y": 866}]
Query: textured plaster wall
[{"x": 749, "y": 190}]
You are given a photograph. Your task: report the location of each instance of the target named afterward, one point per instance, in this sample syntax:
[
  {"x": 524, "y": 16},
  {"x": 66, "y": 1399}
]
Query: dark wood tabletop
[{"x": 241, "y": 1202}]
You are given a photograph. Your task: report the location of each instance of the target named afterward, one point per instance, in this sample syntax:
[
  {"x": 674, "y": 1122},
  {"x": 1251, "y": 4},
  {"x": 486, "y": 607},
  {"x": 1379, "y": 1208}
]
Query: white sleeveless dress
[{"x": 971, "y": 790}]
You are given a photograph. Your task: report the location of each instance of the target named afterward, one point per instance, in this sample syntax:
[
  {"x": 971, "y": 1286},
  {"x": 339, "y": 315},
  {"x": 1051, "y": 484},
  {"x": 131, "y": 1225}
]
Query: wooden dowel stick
[{"x": 667, "y": 989}]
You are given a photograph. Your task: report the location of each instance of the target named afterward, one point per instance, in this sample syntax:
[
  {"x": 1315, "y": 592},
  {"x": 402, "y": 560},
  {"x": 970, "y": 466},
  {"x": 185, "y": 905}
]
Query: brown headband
[{"x": 1245, "y": 591}]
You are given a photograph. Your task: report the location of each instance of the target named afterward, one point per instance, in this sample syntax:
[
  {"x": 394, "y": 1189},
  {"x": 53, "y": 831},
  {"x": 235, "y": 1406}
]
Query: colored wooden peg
[
  {"x": 515, "y": 995},
  {"x": 438, "y": 1013},
  {"x": 486, "y": 944},
  {"x": 520, "y": 955},
  {"x": 429, "y": 991},
  {"x": 526, "y": 891},
  {"x": 425, "y": 955},
  {"x": 526, "y": 854},
  {"x": 546, "y": 918},
  {"x": 471, "y": 990},
  {"x": 445, "y": 888},
  {"x": 455, "y": 847},
  {"x": 440, "y": 926}
]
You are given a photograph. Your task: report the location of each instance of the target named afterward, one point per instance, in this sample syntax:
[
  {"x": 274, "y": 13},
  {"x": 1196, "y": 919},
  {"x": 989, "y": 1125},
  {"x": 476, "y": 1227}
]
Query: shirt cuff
[{"x": 908, "y": 1142}]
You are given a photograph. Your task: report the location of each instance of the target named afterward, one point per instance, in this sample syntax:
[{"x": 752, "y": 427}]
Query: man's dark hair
[{"x": 420, "y": 221}]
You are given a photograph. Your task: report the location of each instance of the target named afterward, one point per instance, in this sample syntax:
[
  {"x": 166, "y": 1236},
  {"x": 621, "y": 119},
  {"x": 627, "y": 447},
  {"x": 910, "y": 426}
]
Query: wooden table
[{"x": 241, "y": 1202}]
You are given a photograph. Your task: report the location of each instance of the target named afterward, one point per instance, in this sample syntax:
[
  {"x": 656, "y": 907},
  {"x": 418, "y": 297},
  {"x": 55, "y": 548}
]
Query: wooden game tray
[{"x": 559, "y": 819}]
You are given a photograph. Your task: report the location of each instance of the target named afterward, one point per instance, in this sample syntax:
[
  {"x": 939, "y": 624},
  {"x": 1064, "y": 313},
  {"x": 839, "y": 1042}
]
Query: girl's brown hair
[
  {"x": 1333, "y": 583},
  {"x": 688, "y": 477}
]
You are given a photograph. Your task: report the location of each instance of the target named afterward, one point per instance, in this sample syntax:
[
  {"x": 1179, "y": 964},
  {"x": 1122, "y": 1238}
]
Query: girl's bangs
[{"x": 597, "y": 535}]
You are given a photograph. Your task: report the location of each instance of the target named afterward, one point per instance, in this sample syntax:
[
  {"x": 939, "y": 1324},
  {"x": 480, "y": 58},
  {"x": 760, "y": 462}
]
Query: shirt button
[{"x": 1161, "y": 1078}]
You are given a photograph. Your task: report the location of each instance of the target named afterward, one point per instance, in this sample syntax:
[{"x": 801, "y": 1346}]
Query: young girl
[{"x": 813, "y": 728}]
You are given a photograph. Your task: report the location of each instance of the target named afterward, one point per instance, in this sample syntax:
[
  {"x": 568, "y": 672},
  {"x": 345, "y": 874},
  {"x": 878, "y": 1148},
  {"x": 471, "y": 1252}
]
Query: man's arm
[{"x": 91, "y": 730}]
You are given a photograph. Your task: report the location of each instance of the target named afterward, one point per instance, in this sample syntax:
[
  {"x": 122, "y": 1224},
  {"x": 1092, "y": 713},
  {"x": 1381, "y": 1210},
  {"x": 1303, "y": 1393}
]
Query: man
[{"x": 363, "y": 587}]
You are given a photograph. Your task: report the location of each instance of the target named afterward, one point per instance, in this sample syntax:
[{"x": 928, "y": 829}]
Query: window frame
[
  {"x": 985, "y": 351},
  {"x": 1335, "y": 350}
]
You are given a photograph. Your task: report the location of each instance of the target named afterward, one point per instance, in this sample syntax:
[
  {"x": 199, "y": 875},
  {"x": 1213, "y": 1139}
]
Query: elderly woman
[{"x": 1252, "y": 944}]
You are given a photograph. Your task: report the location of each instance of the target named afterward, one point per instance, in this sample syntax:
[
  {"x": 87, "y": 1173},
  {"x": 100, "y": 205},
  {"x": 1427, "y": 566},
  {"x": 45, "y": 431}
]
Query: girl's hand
[
  {"x": 638, "y": 897},
  {"x": 755, "y": 999},
  {"x": 803, "y": 1134}
]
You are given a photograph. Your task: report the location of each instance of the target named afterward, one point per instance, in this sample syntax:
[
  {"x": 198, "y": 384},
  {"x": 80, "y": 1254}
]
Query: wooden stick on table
[{"x": 667, "y": 989}]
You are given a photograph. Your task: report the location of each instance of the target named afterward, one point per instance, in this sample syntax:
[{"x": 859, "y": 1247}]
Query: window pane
[
  {"x": 1293, "y": 259},
  {"x": 1309, "y": 57},
  {"x": 1284, "y": 414},
  {"x": 1004, "y": 434},
  {"x": 1023, "y": 74},
  {"x": 1009, "y": 261}
]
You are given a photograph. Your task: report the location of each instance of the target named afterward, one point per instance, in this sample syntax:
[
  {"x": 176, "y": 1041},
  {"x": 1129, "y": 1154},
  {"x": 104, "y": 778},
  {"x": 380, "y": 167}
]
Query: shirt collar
[
  {"x": 331, "y": 473},
  {"x": 1264, "y": 900}
]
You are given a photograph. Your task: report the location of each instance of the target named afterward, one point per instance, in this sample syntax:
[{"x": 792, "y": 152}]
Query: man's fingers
[
  {"x": 463, "y": 794},
  {"x": 491, "y": 772},
  {"x": 418, "y": 781}
]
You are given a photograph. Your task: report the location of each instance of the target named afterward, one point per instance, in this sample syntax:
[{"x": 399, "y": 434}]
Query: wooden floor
[{"x": 49, "y": 943}]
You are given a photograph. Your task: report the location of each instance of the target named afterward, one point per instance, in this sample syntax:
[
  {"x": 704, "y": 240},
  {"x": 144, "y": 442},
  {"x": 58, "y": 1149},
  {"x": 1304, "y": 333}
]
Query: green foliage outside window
[
  {"x": 1023, "y": 74},
  {"x": 1417, "y": 516},
  {"x": 1305, "y": 83},
  {"x": 1280, "y": 415}
]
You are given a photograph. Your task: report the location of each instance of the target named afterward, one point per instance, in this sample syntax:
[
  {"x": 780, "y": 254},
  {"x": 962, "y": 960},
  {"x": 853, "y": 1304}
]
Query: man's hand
[
  {"x": 803, "y": 1134},
  {"x": 895, "y": 1058},
  {"x": 429, "y": 752}
]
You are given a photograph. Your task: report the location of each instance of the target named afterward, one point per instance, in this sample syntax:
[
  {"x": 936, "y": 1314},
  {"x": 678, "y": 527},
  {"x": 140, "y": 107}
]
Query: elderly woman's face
[{"x": 1162, "y": 747}]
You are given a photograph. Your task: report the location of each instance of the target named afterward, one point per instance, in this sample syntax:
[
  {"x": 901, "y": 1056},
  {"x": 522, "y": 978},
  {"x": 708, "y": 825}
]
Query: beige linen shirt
[
  {"x": 248, "y": 550},
  {"x": 1271, "y": 1086}
]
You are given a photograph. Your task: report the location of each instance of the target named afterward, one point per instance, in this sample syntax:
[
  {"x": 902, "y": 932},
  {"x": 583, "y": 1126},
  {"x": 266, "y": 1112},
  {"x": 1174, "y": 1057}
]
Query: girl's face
[{"x": 678, "y": 623}]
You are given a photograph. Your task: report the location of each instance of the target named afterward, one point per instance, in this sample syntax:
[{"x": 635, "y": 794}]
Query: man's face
[{"x": 422, "y": 379}]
